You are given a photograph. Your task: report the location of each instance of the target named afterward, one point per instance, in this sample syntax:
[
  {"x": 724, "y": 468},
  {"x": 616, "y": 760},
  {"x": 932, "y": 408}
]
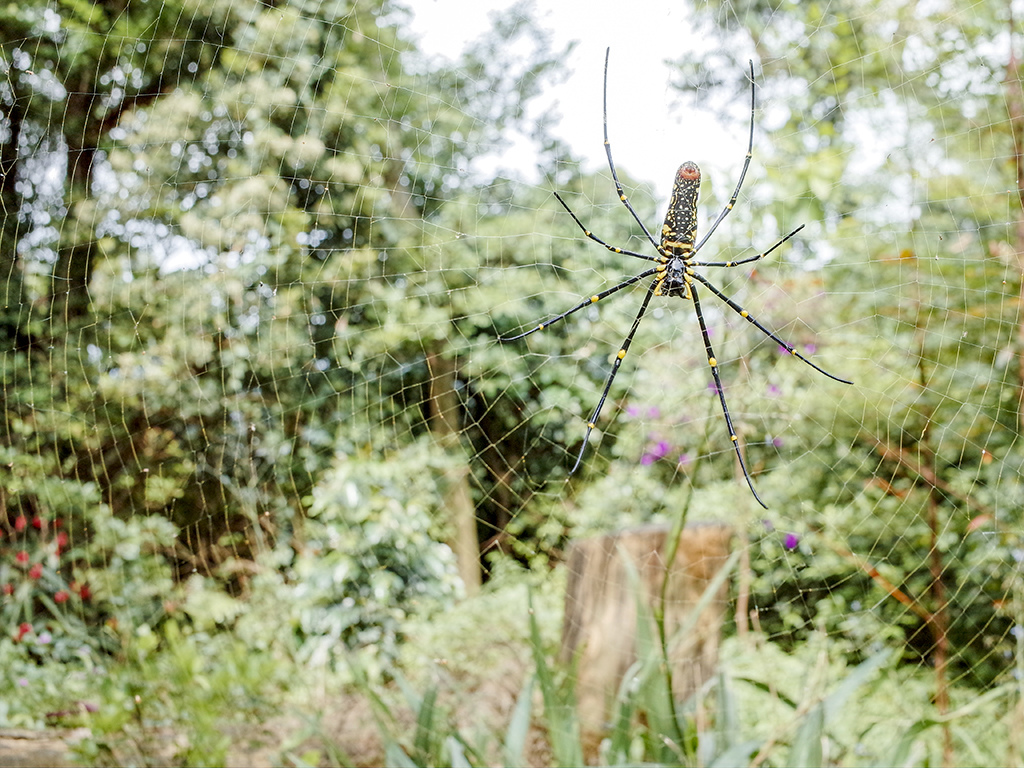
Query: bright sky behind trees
[{"x": 649, "y": 132}]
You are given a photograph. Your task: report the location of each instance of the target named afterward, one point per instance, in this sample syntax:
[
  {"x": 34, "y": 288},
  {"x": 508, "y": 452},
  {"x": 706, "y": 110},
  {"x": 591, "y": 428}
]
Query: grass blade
[
  {"x": 806, "y": 751},
  {"x": 559, "y": 706},
  {"x": 519, "y": 726}
]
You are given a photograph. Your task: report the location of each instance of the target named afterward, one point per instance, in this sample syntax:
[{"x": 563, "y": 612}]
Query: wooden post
[
  {"x": 444, "y": 423},
  {"x": 601, "y": 612}
]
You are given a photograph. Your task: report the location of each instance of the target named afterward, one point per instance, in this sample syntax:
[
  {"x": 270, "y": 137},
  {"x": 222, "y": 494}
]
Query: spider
[{"x": 674, "y": 272}]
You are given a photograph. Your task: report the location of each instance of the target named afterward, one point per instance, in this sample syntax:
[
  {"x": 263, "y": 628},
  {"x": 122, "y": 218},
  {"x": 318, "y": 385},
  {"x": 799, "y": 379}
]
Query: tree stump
[{"x": 601, "y": 612}]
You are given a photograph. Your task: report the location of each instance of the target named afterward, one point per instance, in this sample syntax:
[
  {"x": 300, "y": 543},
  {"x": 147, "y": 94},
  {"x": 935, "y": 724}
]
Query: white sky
[{"x": 648, "y": 136}]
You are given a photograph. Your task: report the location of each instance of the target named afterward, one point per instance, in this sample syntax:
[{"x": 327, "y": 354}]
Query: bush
[{"x": 372, "y": 554}]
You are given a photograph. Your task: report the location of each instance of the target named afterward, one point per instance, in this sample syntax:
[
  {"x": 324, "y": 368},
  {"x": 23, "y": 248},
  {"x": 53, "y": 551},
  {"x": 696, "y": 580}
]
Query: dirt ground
[
  {"x": 341, "y": 727},
  {"x": 24, "y": 748}
]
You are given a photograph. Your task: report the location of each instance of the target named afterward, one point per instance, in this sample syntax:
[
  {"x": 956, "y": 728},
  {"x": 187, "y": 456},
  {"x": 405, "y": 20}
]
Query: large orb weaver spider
[{"x": 675, "y": 272}]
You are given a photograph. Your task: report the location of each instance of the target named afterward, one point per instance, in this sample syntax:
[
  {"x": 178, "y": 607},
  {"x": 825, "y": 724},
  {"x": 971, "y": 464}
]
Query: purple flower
[
  {"x": 684, "y": 459},
  {"x": 653, "y": 454},
  {"x": 784, "y": 350},
  {"x": 777, "y": 442},
  {"x": 811, "y": 348},
  {"x": 713, "y": 386},
  {"x": 791, "y": 541},
  {"x": 632, "y": 411},
  {"x": 773, "y": 391},
  {"x": 653, "y": 412}
]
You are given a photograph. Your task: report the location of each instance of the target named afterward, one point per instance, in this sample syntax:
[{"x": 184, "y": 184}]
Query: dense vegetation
[{"x": 257, "y": 429}]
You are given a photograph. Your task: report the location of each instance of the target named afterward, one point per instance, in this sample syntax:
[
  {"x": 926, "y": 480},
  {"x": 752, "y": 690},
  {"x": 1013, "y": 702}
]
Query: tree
[
  {"x": 898, "y": 143},
  {"x": 246, "y": 239}
]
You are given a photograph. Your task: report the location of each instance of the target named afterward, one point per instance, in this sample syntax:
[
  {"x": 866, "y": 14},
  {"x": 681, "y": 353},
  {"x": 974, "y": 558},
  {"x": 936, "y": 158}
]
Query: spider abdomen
[{"x": 679, "y": 232}]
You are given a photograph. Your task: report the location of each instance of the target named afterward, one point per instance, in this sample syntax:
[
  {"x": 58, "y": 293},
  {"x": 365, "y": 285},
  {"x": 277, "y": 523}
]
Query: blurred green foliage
[
  {"x": 371, "y": 555},
  {"x": 219, "y": 455}
]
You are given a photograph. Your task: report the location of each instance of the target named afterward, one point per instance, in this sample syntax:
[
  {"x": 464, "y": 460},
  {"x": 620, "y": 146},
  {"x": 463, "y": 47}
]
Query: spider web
[{"x": 258, "y": 259}]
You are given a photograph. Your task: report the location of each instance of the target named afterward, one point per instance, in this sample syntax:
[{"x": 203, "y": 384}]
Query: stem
[
  {"x": 938, "y": 618},
  {"x": 939, "y": 626},
  {"x": 671, "y": 550},
  {"x": 743, "y": 580}
]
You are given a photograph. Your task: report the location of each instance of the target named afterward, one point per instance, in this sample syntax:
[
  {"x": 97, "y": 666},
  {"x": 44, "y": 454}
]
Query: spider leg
[
  {"x": 587, "y": 302},
  {"x": 745, "y": 261},
  {"x": 611, "y": 163},
  {"x": 597, "y": 239},
  {"x": 721, "y": 392},
  {"x": 743, "y": 173},
  {"x": 750, "y": 318},
  {"x": 615, "y": 369}
]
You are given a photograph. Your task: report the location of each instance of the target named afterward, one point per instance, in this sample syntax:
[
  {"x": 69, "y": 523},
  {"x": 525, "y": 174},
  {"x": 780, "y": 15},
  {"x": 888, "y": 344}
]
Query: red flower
[
  {"x": 19, "y": 523},
  {"x": 21, "y": 557},
  {"x": 35, "y": 571},
  {"x": 23, "y": 630},
  {"x": 61, "y": 597},
  {"x": 38, "y": 523},
  {"x": 62, "y": 541},
  {"x": 82, "y": 590},
  {"x": 8, "y": 589}
]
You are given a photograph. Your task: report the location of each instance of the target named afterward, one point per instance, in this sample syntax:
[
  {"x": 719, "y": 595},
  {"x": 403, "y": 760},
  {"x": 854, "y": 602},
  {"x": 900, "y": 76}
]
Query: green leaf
[
  {"x": 519, "y": 726},
  {"x": 456, "y": 754},
  {"x": 396, "y": 758},
  {"x": 738, "y": 754},
  {"x": 425, "y": 725},
  {"x": 559, "y": 706},
  {"x": 901, "y": 752},
  {"x": 806, "y": 749},
  {"x": 835, "y": 702}
]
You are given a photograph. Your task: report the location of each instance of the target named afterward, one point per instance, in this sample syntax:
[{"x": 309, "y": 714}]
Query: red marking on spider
[{"x": 688, "y": 171}]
